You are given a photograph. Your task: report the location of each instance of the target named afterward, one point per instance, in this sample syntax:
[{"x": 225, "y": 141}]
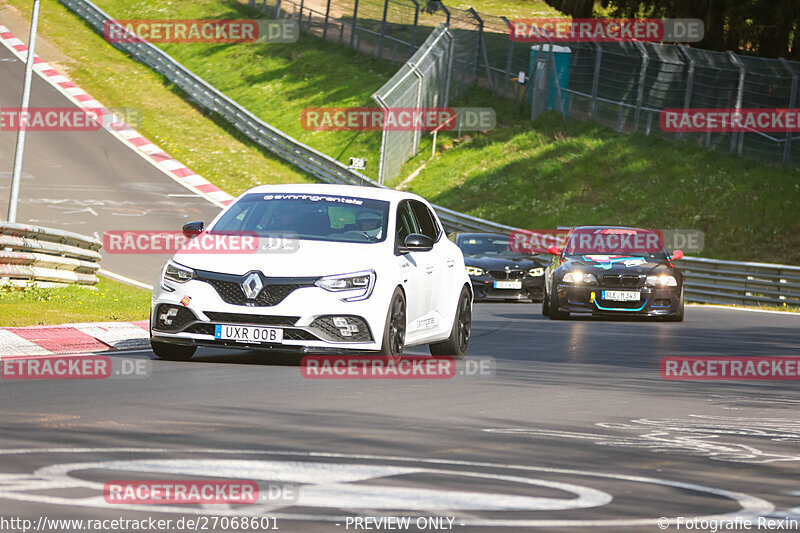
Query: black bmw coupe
[
  {"x": 499, "y": 273},
  {"x": 606, "y": 270}
]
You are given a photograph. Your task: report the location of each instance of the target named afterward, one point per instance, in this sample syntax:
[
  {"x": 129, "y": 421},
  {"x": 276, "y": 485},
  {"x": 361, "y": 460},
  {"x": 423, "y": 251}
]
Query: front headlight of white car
[
  {"x": 662, "y": 280},
  {"x": 474, "y": 271},
  {"x": 579, "y": 277},
  {"x": 178, "y": 273},
  {"x": 536, "y": 272},
  {"x": 363, "y": 282}
]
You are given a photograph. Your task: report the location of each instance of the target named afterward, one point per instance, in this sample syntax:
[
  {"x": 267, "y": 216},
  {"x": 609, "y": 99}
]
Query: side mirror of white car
[
  {"x": 416, "y": 242},
  {"x": 193, "y": 229}
]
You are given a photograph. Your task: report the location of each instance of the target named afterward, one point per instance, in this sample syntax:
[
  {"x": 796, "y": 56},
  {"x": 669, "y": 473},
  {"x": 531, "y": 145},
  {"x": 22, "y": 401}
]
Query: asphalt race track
[
  {"x": 89, "y": 182},
  {"x": 552, "y": 425},
  {"x": 575, "y": 427}
]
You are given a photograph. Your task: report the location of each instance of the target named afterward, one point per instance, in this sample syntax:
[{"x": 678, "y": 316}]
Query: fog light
[
  {"x": 345, "y": 328},
  {"x": 165, "y": 319}
]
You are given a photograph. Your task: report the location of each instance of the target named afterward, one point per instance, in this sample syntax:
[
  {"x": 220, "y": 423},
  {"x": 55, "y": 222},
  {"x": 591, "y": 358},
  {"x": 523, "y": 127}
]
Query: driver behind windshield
[{"x": 369, "y": 223}]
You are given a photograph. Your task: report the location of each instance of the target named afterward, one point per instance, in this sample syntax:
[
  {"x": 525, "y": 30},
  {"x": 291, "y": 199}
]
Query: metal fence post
[
  {"x": 642, "y": 78},
  {"x": 417, "y": 104},
  {"x": 277, "y": 9},
  {"x": 687, "y": 95},
  {"x": 739, "y": 95},
  {"x": 596, "y": 81},
  {"x": 446, "y": 12},
  {"x": 509, "y": 59},
  {"x": 300, "y": 15},
  {"x": 382, "y": 158},
  {"x": 449, "y": 77},
  {"x": 787, "y": 143},
  {"x": 19, "y": 150},
  {"x": 353, "y": 27},
  {"x": 325, "y": 24},
  {"x": 379, "y": 40},
  {"x": 413, "y": 44},
  {"x": 482, "y": 48}
]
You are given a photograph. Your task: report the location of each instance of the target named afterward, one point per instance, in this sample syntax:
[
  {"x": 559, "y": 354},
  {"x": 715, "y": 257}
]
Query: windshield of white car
[{"x": 308, "y": 216}]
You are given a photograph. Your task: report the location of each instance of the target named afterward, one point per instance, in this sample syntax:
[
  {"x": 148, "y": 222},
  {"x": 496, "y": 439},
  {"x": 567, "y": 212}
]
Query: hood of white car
[{"x": 302, "y": 258}]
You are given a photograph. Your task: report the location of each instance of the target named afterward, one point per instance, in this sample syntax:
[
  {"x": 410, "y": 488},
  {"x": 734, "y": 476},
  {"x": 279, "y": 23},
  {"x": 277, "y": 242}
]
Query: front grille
[
  {"x": 342, "y": 333},
  {"x": 229, "y": 288},
  {"x": 200, "y": 329},
  {"x": 626, "y": 280},
  {"x": 507, "y": 274},
  {"x": 242, "y": 318},
  {"x": 231, "y": 292}
]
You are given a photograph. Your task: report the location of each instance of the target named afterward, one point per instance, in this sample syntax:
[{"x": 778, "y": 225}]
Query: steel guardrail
[
  {"x": 707, "y": 280},
  {"x": 33, "y": 253}
]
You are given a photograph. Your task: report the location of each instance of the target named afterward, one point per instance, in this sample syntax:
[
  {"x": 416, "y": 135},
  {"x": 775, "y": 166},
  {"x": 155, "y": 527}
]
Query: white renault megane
[{"x": 359, "y": 268}]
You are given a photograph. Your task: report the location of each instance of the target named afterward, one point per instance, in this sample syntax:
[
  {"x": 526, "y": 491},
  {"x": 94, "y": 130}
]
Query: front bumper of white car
[{"x": 311, "y": 318}]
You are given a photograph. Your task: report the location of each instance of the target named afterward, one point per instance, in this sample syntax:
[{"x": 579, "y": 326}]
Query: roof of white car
[{"x": 374, "y": 193}]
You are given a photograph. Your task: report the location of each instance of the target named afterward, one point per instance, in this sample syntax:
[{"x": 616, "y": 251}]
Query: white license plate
[
  {"x": 248, "y": 333},
  {"x": 507, "y": 284},
  {"x": 621, "y": 296}
]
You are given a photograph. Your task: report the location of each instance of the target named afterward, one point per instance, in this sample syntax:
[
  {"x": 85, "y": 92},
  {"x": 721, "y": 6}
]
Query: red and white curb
[
  {"x": 148, "y": 150},
  {"x": 74, "y": 338}
]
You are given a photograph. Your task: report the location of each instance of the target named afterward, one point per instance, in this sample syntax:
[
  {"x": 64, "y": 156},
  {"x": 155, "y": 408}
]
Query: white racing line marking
[
  {"x": 123, "y": 279},
  {"x": 703, "y": 436},
  {"x": 731, "y": 308},
  {"x": 329, "y": 489}
]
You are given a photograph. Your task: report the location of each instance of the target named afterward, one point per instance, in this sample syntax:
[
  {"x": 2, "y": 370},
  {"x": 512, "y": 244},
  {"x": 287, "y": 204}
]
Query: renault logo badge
[{"x": 252, "y": 285}]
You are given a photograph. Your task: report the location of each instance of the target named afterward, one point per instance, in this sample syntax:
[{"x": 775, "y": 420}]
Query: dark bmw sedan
[
  {"x": 613, "y": 271},
  {"x": 497, "y": 272}
]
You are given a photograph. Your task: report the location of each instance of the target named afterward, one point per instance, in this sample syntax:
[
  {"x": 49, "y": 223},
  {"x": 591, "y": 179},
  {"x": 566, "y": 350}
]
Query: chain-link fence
[
  {"x": 621, "y": 84},
  {"x": 423, "y": 81},
  {"x": 627, "y": 85}
]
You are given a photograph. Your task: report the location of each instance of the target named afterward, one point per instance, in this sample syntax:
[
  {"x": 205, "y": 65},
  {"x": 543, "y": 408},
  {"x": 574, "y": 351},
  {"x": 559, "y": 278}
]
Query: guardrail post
[
  {"x": 687, "y": 95},
  {"x": 787, "y": 143},
  {"x": 325, "y": 24},
  {"x": 379, "y": 40},
  {"x": 355, "y": 22},
  {"x": 596, "y": 80},
  {"x": 739, "y": 96},
  {"x": 642, "y": 79}
]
